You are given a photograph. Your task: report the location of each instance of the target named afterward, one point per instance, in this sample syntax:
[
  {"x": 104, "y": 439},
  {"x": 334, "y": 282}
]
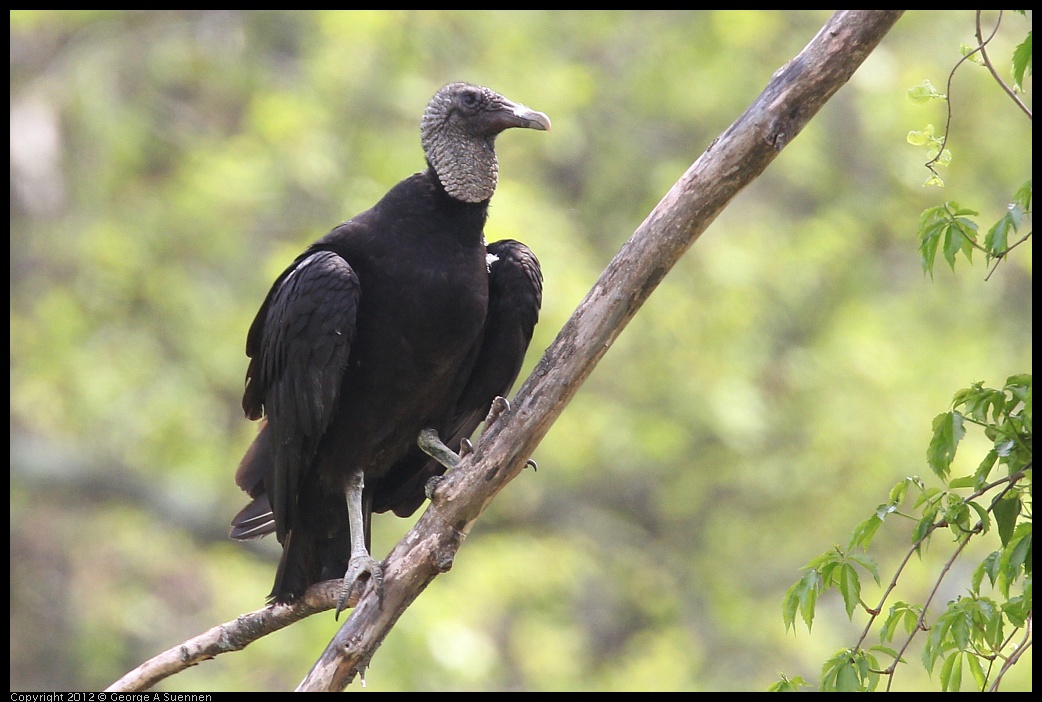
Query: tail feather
[
  {"x": 296, "y": 569},
  {"x": 254, "y": 520},
  {"x": 317, "y": 547}
]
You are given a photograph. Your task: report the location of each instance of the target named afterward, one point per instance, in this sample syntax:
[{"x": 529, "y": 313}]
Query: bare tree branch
[
  {"x": 230, "y": 636},
  {"x": 736, "y": 158}
]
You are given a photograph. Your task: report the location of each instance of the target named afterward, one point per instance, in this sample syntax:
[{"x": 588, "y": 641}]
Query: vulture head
[{"x": 458, "y": 134}]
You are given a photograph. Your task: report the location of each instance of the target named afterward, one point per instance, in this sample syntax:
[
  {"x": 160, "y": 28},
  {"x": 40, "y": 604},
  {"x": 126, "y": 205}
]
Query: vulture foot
[
  {"x": 361, "y": 569},
  {"x": 498, "y": 408}
]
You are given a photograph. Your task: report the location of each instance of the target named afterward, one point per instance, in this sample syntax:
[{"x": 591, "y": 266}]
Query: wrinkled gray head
[{"x": 458, "y": 134}]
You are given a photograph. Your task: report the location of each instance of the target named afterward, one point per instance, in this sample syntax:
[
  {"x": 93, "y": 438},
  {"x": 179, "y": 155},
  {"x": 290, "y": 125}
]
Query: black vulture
[{"x": 400, "y": 319}]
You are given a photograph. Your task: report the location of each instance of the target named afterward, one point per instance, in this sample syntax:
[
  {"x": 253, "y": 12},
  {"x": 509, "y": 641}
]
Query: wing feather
[{"x": 299, "y": 347}]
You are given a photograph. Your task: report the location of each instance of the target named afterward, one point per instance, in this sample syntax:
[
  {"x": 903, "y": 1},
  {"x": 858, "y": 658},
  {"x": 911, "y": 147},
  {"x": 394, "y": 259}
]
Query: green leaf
[
  {"x": 957, "y": 514},
  {"x": 948, "y": 430},
  {"x": 823, "y": 559},
  {"x": 802, "y": 597},
  {"x": 990, "y": 567},
  {"x": 920, "y": 137},
  {"x": 790, "y": 605},
  {"x": 960, "y": 627},
  {"x": 965, "y": 395},
  {"x": 847, "y": 670},
  {"x": 850, "y": 589},
  {"x": 867, "y": 665},
  {"x": 967, "y": 49},
  {"x": 928, "y": 247},
  {"x": 977, "y": 671},
  {"x": 933, "y": 223},
  {"x": 922, "y": 527},
  {"x": 959, "y": 236},
  {"x": 1022, "y": 62},
  {"x": 787, "y": 684},
  {"x": 888, "y": 651},
  {"x": 951, "y": 673},
  {"x": 1015, "y": 557},
  {"x": 938, "y": 640},
  {"x": 980, "y": 403},
  {"x": 847, "y": 679},
  {"x": 862, "y": 535},
  {"x": 1018, "y": 609},
  {"x": 955, "y": 210},
  {"x": 979, "y": 624},
  {"x": 980, "y": 476},
  {"x": 827, "y": 574},
  {"x": 927, "y": 497},
  {"x": 982, "y": 515},
  {"x": 963, "y": 482},
  {"x": 1021, "y": 380},
  {"x": 898, "y": 491},
  {"x": 924, "y": 92},
  {"x": 997, "y": 239},
  {"x": 866, "y": 562},
  {"x": 1022, "y": 198},
  {"x": 1004, "y": 448},
  {"x": 1006, "y": 512},
  {"x": 901, "y": 615}
]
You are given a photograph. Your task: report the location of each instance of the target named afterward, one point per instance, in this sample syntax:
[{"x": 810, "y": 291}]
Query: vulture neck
[{"x": 465, "y": 167}]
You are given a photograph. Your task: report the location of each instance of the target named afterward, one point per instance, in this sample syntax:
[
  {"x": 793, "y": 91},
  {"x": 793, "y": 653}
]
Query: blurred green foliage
[{"x": 166, "y": 165}]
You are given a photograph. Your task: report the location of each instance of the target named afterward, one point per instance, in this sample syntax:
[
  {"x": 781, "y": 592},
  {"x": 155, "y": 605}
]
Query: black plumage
[{"x": 398, "y": 320}]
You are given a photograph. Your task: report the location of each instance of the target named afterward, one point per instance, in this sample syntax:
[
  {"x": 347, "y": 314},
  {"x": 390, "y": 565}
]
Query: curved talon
[
  {"x": 432, "y": 484},
  {"x": 361, "y": 570},
  {"x": 535, "y": 466},
  {"x": 499, "y": 406},
  {"x": 465, "y": 448}
]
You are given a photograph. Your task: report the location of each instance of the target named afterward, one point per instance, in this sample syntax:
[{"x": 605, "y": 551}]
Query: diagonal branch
[{"x": 737, "y": 157}]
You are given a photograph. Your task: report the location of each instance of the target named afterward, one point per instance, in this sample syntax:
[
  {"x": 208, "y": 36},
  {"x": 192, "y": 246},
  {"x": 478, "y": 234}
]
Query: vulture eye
[{"x": 470, "y": 100}]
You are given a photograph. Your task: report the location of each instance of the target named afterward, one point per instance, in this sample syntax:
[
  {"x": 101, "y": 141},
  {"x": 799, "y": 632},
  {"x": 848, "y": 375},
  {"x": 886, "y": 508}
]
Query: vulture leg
[
  {"x": 433, "y": 446},
  {"x": 362, "y": 566}
]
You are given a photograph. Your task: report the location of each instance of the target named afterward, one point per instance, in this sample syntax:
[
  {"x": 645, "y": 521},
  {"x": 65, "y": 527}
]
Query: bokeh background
[{"x": 166, "y": 166}]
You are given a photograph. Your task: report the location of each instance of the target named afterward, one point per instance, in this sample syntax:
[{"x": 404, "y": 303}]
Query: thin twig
[
  {"x": 948, "y": 92},
  {"x": 1002, "y": 254},
  {"x": 1025, "y": 644},
  {"x": 987, "y": 62}
]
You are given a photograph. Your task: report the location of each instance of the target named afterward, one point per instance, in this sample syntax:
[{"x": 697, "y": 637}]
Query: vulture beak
[
  {"x": 530, "y": 119},
  {"x": 511, "y": 114}
]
